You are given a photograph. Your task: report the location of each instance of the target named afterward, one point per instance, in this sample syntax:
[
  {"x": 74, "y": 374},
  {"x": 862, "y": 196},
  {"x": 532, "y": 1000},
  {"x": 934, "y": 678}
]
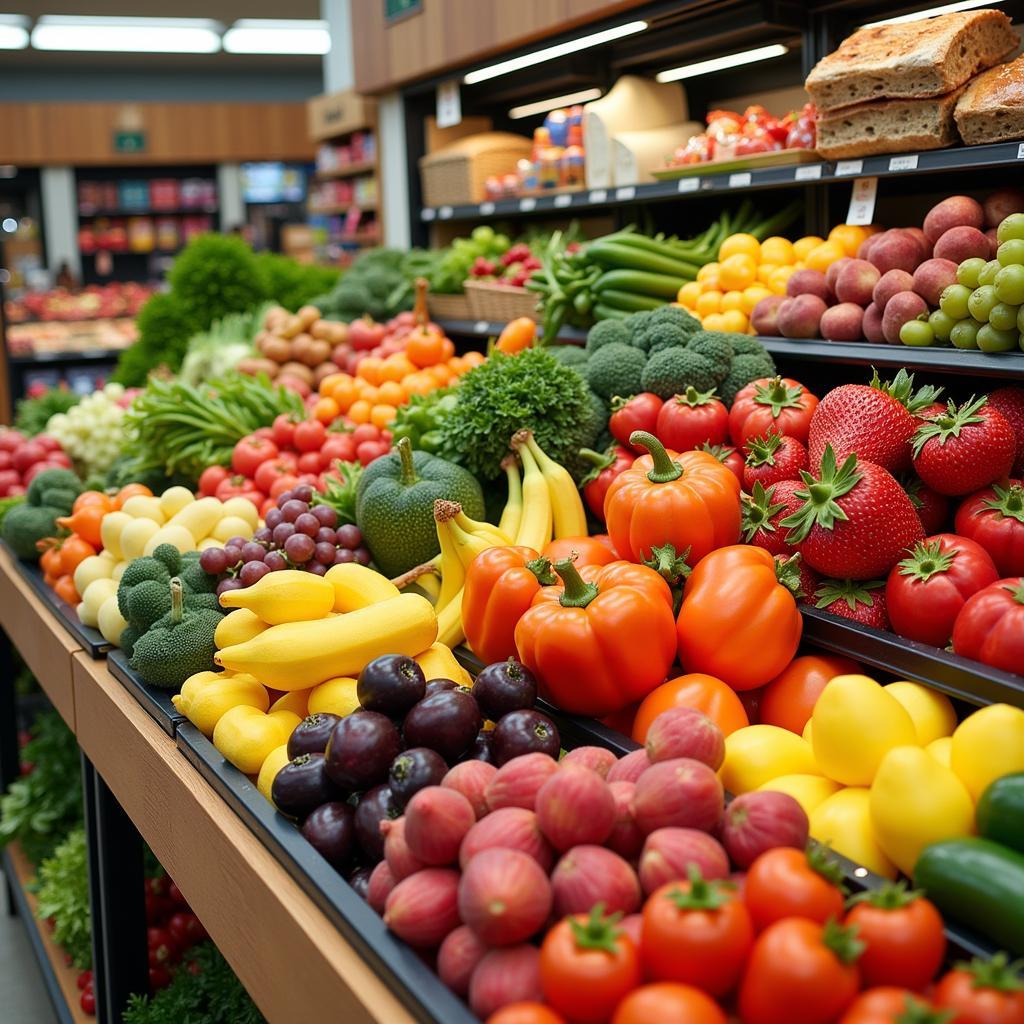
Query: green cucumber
[
  {"x": 1001, "y": 811},
  {"x": 977, "y": 883},
  {"x": 602, "y": 312},
  {"x": 640, "y": 282},
  {"x": 613, "y": 255},
  {"x": 629, "y": 301}
]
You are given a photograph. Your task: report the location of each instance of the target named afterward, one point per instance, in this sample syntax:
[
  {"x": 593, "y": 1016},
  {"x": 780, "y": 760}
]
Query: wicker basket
[
  {"x": 457, "y": 174},
  {"x": 448, "y": 307},
  {"x": 500, "y": 303}
]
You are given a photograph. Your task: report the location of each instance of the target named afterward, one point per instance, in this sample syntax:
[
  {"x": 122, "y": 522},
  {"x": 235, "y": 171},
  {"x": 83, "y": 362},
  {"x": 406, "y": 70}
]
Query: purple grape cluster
[{"x": 296, "y": 535}]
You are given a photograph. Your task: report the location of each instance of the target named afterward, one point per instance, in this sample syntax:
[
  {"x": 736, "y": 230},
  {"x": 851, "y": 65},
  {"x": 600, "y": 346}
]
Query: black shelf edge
[
  {"x": 411, "y": 980},
  {"x": 965, "y": 158},
  {"x": 156, "y": 702},
  {"x": 97, "y": 355},
  {"x": 489, "y": 328},
  {"x": 32, "y": 925}
]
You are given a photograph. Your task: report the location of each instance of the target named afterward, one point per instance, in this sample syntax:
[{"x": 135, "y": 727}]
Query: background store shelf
[
  {"x": 350, "y": 171},
  {"x": 97, "y": 355}
]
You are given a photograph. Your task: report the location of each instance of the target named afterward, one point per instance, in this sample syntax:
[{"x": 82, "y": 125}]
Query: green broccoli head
[
  {"x": 169, "y": 555},
  {"x": 195, "y": 578},
  {"x": 24, "y": 525},
  {"x": 616, "y": 369},
  {"x": 52, "y": 479},
  {"x": 139, "y": 571},
  {"x": 714, "y": 345},
  {"x": 146, "y": 602},
  {"x": 635, "y": 324},
  {"x": 571, "y": 355},
  {"x": 176, "y": 647},
  {"x": 672, "y": 371},
  {"x": 60, "y": 498},
  {"x": 653, "y": 336},
  {"x": 745, "y": 345},
  {"x": 600, "y": 411},
  {"x": 745, "y": 368},
  {"x": 607, "y": 332}
]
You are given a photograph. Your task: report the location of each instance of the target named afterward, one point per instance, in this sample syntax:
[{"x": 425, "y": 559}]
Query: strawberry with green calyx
[
  {"x": 1010, "y": 402},
  {"x": 797, "y": 577},
  {"x": 876, "y": 421},
  {"x": 773, "y": 457},
  {"x": 763, "y": 511},
  {"x": 965, "y": 448},
  {"x": 728, "y": 456},
  {"x": 861, "y": 601},
  {"x": 932, "y": 508},
  {"x": 854, "y": 520}
]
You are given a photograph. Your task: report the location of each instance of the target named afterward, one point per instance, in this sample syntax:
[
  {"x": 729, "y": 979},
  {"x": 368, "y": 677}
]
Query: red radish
[
  {"x": 760, "y": 821},
  {"x": 632, "y": 925},
  {"x": 436, "y": 819},
  {"x": 423, "y": 908},
  {"x": 630, "y": 767},
  {"x": 588, "y": 875},
  {"x": 683, "y": 793},
  {"x": 597, "y": 759},
  {"x": 518, "y": 781},
  {"x": 575, "y": 806},
  {"x": 685, "y": 732},
  {"x": 626, "y": 839},
  {"x": 508, "y": 828},
  {"x": 471, "y": 779},
  {"x": 505, "y": 976},
  {"x": 382, "y": 881},
  {"x": 458, "y": 957},
  {"x": 396, "y": 850},
  {"x": 669, "y": 851},
  {"x": 504, "y": 896}
]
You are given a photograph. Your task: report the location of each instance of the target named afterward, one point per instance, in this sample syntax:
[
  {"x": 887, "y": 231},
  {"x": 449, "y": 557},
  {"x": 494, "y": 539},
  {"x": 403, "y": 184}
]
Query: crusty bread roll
[
  {"x": 888, "y": 126},
  {"x": 991, "y": 108},
  {"x": 916, "y": 59}
]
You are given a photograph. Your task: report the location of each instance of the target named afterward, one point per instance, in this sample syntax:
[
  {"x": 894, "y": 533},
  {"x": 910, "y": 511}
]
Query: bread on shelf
[
  {"x": 912, "y": 60},
  {"x": 888, "y": 126},
  {"x": 991, "y": 108}
]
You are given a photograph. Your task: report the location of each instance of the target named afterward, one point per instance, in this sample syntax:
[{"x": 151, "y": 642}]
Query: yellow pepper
[
  {"x": 286, "y": 596},
  {"x": 246, "y": 735},
  {"x": 296, "y": 701},
  {"x": 930, "y": 711},
  {"x": 272, "y": 764},
  {"x": 336, "y": 696},
  {"x": 843, "y": 821},
  {"x": 438, "y": 662},
  {"x": 206, "y": 696},
  {"x": 238, "y": 626},
  {"x": 756, "y": 754},
  {"x": 988, "y": 745}
]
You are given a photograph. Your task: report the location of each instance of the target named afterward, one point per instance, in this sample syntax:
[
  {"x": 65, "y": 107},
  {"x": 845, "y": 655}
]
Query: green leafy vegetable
[
  {"x": 164, "y": 327},
  {"x": 34, "y": 413},
  {"x": 341, "y": 494},
  {"x": 63, "y": 893},
  {"x": 378, "y": 284},
  {"x": 293, "y": 284}
]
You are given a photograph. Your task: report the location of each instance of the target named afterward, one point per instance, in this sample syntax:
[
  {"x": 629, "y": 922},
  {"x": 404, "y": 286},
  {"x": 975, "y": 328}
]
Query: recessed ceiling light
[
  {"x": 13, "y": 31},
  {"x": 259, "y": 35},
  {"x": 961, "y": 5},
  {"x": 541, "y": 106},
  {"x": 732, "y": 60},
  {"x": 126, "y": 35}
]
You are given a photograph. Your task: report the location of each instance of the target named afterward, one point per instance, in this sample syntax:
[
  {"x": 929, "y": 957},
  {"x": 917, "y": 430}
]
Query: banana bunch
[{"x": 544, "y": 502}]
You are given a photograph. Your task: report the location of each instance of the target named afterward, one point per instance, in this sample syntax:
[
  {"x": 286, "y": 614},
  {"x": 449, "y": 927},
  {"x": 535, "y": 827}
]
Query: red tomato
[
  {"x": 637, "y": 413},
  {"x": 691, "y": 420},
  {"x": 11, "y": 439},
  {"x": 704, "y": 693},
  {"x": 728, "y": 456},
  {"x": 310, "y": 435},
  {"x": 525, "y": 1013},
  {"x": 799, "y": 972},
  {"x": 994, "y": 517},
  {"x": 87, "y": 1001},
  {"x": 338, "y": 446},
  {"x": 283, "y": 483},
  {"x": 250, "y": 453},
  {"x": 668, "y": 1003},
  {"x": 289, "y": 459},
  {"x": 268, "y": 472},
  {"x": 982, "y": 993},
  {"x": 365, "y": 432},
  {"x": 267, "y": 433},
  {"x": 57, "y": 459},
  {"x": 5, "y": 459},
  {"x": 239, "y": 487},
  {"x": 778, "y": 404},
  {"x": 889, "y": 1005},
  {"x": 698, "y": 933},
  {"x": 283, "y": 431},
  {"x": 791, "y": 883},
  {"x": 789, "y": 699},
  {"x": 903, "y": 937},
  {"x": 8, "y": 477},
  {"x": 370, "y": 450},
  {"x": 51, "y": 444},
  {"x": 309, "y": 462},
  {"x": 211, "y": 479},
  {"x": 990, "y": 626}
]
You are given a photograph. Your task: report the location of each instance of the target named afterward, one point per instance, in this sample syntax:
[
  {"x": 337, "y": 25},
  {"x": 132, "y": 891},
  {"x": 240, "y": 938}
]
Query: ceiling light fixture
[
  {"x": 542, "y": 106},
  {"x": 931, "y": 12},
  {"x": 126, "y": 35},
  {"x": 527, "y": 60},
  {"x": 732, "y": 60},
  {"x": 266, "y": 35},
  {"x": 13, "y": 31}
]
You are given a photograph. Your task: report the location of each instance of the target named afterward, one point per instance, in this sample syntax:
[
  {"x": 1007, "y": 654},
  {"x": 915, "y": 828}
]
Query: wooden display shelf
[
  {"x": 348, "y": 171},
  {"x": 61, "y": 981},
  {"x": 341, "y": 209}
]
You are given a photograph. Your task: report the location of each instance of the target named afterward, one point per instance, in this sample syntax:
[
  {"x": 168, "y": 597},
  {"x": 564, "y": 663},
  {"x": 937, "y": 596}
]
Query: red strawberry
[
  {"x": 1010, "y": 402},
  {"x": 764, "y": 509},
  {"x": 932, "y": 508},
  {"x": 855, "y": 519},
  {"x": 861, "y": 601},
  {"x": 794, "y": 573},
  {"x": 876, "y": 421},
  {"x": 964, "y": 449},
  {"x": 773, "y": 457}
]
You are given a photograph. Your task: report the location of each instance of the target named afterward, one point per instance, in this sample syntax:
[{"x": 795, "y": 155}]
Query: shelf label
[
  {"x": 1020, "y": 151},
  {"x": 689, "y": 184},
  {"x": 449, "y": 104},
  {"x": 563, "y": 200},
  {"x": 903, "y": 163},
  {"x": 527, "y": 204},
  {"x": 740, "y": 180},
  {"x": 482, "y": 327},
  {"x": 486, "y": 209},
  {"x": 598, "y": 195},
  {"x": 625, "y": 193},
  {"x": 428, "y": 214},
  {"x": 862, "y": 201},
  {"x": 809, "y": 172},
  {"x": 445, "y": 213},
  {"x": 845, "y": 167}
]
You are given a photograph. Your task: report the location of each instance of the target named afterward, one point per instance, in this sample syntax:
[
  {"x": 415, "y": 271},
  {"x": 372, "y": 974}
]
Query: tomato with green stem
[
  {"x": 692, "y": 419},
  {"x": 990, "y": 626},
  {"x": 668, "y": 1003},
  {"x": 793, "y": 883},
  {"x": 777, "y": 404},
  {"x": 983, "y": 992},
  {"x": 994, "y": 518},
  {"x": 891, "y": 1005},
  {"x": 637, "y": 413}
]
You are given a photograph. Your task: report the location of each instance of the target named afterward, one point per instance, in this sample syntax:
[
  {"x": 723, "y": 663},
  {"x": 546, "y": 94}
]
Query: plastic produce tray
[{"x": 155, "y": 701}]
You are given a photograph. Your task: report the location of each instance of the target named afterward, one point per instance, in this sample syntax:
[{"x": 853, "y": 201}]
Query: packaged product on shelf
[
  {"x": 163, "y": 194},
  {"x": 133, "y": 195},
  {"x": 141, "y": 236}
]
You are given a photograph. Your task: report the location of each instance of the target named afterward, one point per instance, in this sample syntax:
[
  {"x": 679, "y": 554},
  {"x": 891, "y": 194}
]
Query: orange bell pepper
[
  {"x": 517, "y": 335},
  {"x": 602, "y": 640},
  {"x": 588, "y": 550},
  {"x": 738, "y": 622},
  {"x": 688, "y": 500},
  {"x": 500, "y": 585}
]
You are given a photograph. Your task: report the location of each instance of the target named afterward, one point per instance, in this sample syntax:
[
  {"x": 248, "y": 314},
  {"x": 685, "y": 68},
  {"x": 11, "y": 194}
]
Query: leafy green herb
[
  {"x": 341, "y": 494},
  {"x": 63, "y": 893},
  {"x": 34, "y": 413}
]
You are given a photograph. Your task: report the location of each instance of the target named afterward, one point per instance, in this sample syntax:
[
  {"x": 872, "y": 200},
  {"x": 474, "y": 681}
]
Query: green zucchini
[
  {"x": 1001, "y": 811},
  {"x": 673, "y": 249},
  {"x": 602, "y": 312},
  {"x": 613, "y": 255},
  {"x": 640, "y": 282},
  {"x": 629, "y": 301},
  {"x": 977, "y": 883}
]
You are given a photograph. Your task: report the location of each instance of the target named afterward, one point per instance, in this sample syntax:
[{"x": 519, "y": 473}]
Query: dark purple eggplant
[
  {"x": 523, "y": 732},
  {"x": 503, "y": 687},
  {"x": 374, "y": 806},
  {"x": 360, "y": 881},
  {"x": 310, "y": 736},
  {"x": 361, "y": 749},
  {"x": 439, "y": 686},
  {"x": 302, "y": 785},
  {"x": 446, "y": 722},
  {"x": 391, "y": 684},
  {"x": 412, "y": 770},
  {"x": 331, "y": 830}
]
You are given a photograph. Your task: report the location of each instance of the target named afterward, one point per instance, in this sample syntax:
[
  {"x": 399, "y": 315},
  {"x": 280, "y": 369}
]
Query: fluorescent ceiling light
[
  {"x": 961, "y": 5},
  {"x": 732, "y": 60},
  {"x": 258, "y": 35},
  {"x": 126, "y": 35},
  {"x": 527, "y": 60},
  {"x": 13, "y": 31},
  {"x": 541, "y": 106}
]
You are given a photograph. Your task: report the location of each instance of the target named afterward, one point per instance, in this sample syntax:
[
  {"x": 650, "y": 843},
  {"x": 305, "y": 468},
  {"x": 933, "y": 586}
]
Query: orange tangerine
[
  {"x": 396, "y": 367},
  {"x": 731, "y": 300},
  {"x": 765, "y": 271},
  {"x": 738, "y": 271},
  {"x": 344, "y": 392},
  {"x": 823, "y": 256},
  {"x": 359, "y": 412},
  {"x": 391, "y": 392},
  {"x": 714, "y": 322},
  {"x": 743, "y": 243},
  {"x": 474, "y": 358},
  {"x": 370, "y": 369},
  {"x": 802, "y": 246},
  {"x": 752, "y": 296},
  {"x": 418, "y": 383},
  {"x": 326, "y": 410},
  {"x": 709, "y": 302},
  {"x": 325, "y": 386},
  {"x": 382, "y": 415},
  {"x": 734, "y": 320},
  {"x": 777, "y": 250},
  {"x": 441, "y": 373},
  {"x": 849, "y": 236},
  {"x": 689, "y": 294},
  {"x": 370, "y": 394},
  {"x": 709, "y": 270}
]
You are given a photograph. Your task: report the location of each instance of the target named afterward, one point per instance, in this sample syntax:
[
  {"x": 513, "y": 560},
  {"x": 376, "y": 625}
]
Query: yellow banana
[
  {"x": 430, "y": 585},
  {"x": 356, "y": 586},
  {"x": 449, "y": 623},
  {"x": 570, "y": 520},
  {"x": 469, "y": 545},
  {"x": 512, "y": 514},
  {"x": 535, "y": 525},
  {"x": 453, "y": 573},
  {"x": 487, "y": 531}
]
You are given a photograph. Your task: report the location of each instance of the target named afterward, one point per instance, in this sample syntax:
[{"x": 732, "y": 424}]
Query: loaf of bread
[
  {"x": 888, "y": 126},
  {"x": 991, "y": 108},
  {"x": 913, "y": 60}
]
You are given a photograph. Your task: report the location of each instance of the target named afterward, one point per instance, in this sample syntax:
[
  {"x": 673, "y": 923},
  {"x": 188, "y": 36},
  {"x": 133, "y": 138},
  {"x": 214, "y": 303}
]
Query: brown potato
[
  {"x": 308, "y": 315},
  {"x": 322, "y": 330},
  {"x": 317, "y": 353},
  {"x": 299, "y": 370},
  {"x": 254, "y": 367},
  {"x": 290, "y": 328},
  {"x": 325, "y": 370},
  {"x": 277, "y": 348}
]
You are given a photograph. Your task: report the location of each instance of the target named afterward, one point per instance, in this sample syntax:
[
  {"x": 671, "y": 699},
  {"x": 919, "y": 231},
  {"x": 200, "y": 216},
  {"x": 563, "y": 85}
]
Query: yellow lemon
[
  {"x": 744, "y": 244},
  {"x": 802, "y": 246},
  {"x": 757, "y": 754},
  {"x": 843, "y": 820},
  {"x": 777, "y": 250},
  {"x": 930, "y": 711}
]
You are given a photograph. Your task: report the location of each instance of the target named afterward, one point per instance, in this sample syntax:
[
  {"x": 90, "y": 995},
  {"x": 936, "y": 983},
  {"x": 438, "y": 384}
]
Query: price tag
[
  {"x": 445, "y": 213},
  {"x": 862, "y": 201},
  {"x": 598, "y": 195},
  {"x": 809, "y": 172},
  {"x": 527, "y": 204},
  {"x": 482, "y": 327},
  {"x": 740, "y": 180},
  {"x": 625, "y": 193},
  {"x": 449, "y": 104},
  {"x": 689, "y": 184},
  {"x": 562, "y": 201},
  {"x": 428, "y": 213},
  {"x": 845, "y": 167},
  {"x": 486, "y": 209},
  {"x": 903, "y": 163},
  {"x": 1020, "y": 151}
]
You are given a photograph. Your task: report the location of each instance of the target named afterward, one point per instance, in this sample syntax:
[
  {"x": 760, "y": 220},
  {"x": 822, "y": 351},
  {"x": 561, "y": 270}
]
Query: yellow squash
[
  {"x": 285, "y": 596},
  {"x": 272, "y": 764},
  {"x": 807, "y": 790},
  {"x": 942, "y": 750},
  {"x": 200, "y": 517},
  {"x": 438, "y": 662},
  {"x": 988, "y": 745},
  {"x": 295, "y": 701},
  {"x": 238, "y": 626},
  {"x": 356, "y": 586},
  {"x": 335, "y": 696},
  {"x": 246, "y": 735},
  {"x": 206, "y": 696},
  {"x": 297, "y": 655},
  {"x": 756, "y": 754},
  {"x": 930, "y": 711},
  {"x": 844, "y": 822}
]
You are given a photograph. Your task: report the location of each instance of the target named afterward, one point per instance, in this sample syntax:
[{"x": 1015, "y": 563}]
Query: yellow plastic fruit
[
  {"x": 90, "y": 569},
  {"x": 174, "y": 499},
  {"x": 285, "y": 596},
  {"x": 741, "y": 243},
  {"x": 777, "y": 249},
  {"x": 296, "y": 701},
  {"x": 714, "y": 322},
  {"x": 731, "y": 300},
  {"x": 246, "y": 736},
  {"x": 110, "y": 622},
  {"x": 807, "y": 790},
  {"x": 756, "y": 754},
  {"x": 688, "y": 294},
  {"x": 765, "y": 271},
  {"x": 93, "y": 597},
  {"x": 987, "y": 745},
  {"x": 708, "y": 271},
  {"x": 119, "y": 569},
  {"x": 206, "y": 696},
  {"x": 738, "y": 271},
  {"x": 930, "y": 711},
  {"x": 272, "y": 764},
  {"x": 336, "y": 697},
  {"x": 823, "y": 256},
  {"x": 752, "y": 295},
  {"x": 232, "y": 526},
  {"x": 916, "y": 801},
  {"x": 802, "y": 246},
  {"x": 849, "y": 236},
  {"x": 238, "y": 626},
  {"x": 709, "y": 302},
  {"x": 175, "y": 535},
  {"x": 111, "y": 527},
  {"x": 135, "y": 536},
  {"x": 734, "y": 321},
  {"x": 144, "y": 506},
  {"x": 357, "y": 586},
  {"x": 208, "y": 542},
  {"x": 200, "y": 517},
  {"x": 438, "y": 662},
  {"x": 843, "y": 821},
  {"x": 856, "y": 723},
  {"x": 808, "y": 734},
  {"x": 243, "y": 508},
  {"x": 942, "y": 750},
  {"x": 779, "y": 279}
]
